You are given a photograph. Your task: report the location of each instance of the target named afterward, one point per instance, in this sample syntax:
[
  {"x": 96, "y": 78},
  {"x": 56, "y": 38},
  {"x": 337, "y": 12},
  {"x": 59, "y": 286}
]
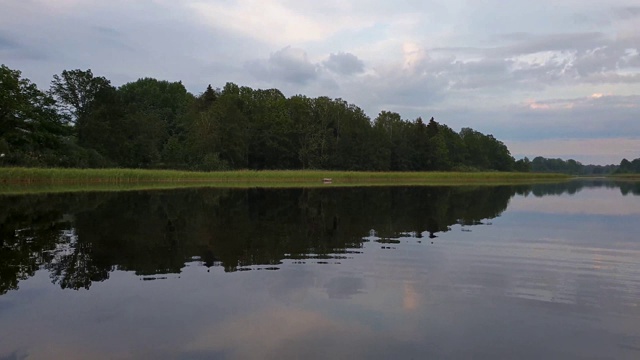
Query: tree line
[
  {"x": 85, "y": 121},
  {"x": 571, "y": 166},
  {"x": 629, "y": 167}
]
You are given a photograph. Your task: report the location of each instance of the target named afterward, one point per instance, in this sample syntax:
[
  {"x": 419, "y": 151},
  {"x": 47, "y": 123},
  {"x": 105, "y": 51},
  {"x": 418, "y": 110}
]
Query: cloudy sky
[{"x": 557, "y": 78}]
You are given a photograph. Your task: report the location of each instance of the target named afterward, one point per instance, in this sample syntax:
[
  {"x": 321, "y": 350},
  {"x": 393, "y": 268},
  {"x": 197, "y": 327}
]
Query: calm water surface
[{"x": 510, "y": 272}]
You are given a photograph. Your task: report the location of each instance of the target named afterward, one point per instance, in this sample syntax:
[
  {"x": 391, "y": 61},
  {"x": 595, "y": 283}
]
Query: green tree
[
  {"x": 486, "y": 152},
  {"x": 75, "y": 91},
  {"x": 200, "y": 148},
  {"x": 398, "y": 135},
  {"x": 234, "y": 127},
  {"x": 629, "y": 167},
  {"x": 437, "y": 152},
  {"x": 272, "y": 143},
  {"x": 311, "y": 132},
  {"x": 346, "y": 132},
  {"x": 523, "y": 165},
  {"x": 153, "y": 113},
  {"x": 206, "y": 99},
  {"x": 31, "y": 130},
  {"x": 456, "y": 150},
  {"x": 104, "y": 129}
]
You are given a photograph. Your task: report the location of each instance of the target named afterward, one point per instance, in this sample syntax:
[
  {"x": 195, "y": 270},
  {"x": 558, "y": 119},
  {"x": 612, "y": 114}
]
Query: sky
[{"x": 553, "y": 78}]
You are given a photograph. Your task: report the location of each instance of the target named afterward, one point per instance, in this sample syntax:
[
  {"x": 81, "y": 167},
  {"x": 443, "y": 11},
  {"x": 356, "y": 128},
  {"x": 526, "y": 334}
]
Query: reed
[
  {"x": 51, "y": 176},
  {"x": 634, "y": 177}
]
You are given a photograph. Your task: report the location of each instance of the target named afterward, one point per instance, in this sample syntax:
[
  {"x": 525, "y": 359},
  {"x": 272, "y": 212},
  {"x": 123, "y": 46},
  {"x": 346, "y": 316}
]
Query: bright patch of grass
[
  {"x": 121, "y": 179},
  {"x": 626, "y": 176}
]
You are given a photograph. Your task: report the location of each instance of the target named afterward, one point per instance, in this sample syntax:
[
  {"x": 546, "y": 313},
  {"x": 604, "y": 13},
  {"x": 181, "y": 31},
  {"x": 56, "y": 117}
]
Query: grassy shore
[
  {"x": 30, "y": 180},
  {"x": 127, "y": 176},
  {"x": 625, "y": 176}
]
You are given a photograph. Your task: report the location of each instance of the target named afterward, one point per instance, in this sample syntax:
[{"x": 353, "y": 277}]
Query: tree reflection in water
[{"x": 81, "y": 238}]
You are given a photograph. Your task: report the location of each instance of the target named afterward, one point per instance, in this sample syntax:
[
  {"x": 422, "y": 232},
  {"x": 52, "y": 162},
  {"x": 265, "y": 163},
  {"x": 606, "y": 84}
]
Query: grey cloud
[
  {"x": 606, "y": 18},
  {"x": 627, "y": 12},
  {"x": 107, "y": 30},
  {"x": 123, "y": 45},
  {"x": 596, "y": 60},
  {"x": 591, "y": 117},
  {"x": 613, "y": 56},
  {"x": 586, "y": 122},
  {"x": 574, "y": 58},
  {"x": 612, "y": 78},
  {"x": 396, "y": 91},
  {"x": 344, "y": 64},
  {"x": 112, "y": 38},
  {"x": 552, "y": 42},
  {"x": 631, "y": 101},
  {"x": 288, "y": 64},
  {"x": 14, "y": 49},
  {"x": 633, "y": 60},
  {"x": 586, "y": 118},
  {"x": 585, "y": 58},
  {"x": 515, "y": 36},
  {"x": 490, "y": 72},
  {"x": 591, "y": 19},
  {"x": 7, "y": 43}
]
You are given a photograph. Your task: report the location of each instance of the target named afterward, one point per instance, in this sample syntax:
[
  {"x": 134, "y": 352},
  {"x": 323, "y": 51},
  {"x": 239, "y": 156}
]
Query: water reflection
[
  {"x": 372, "y": 273},
  {"x": 626, "y": 187},
  {"x": 81, "y": 238}
]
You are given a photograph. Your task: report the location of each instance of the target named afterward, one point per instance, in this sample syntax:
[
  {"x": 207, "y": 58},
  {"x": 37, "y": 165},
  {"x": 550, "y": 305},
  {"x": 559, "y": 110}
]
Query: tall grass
[
  {"x": 626, "y": 176},
  {"x": 42, "y": 176}
]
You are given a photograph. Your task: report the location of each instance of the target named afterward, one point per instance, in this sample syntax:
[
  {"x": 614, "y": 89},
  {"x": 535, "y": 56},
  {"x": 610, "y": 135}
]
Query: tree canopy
[
  {"x": 32, "y": 132},
  {"x": 573, "y": 167},
  {"x": 629, "y": 167},
  {"x": 84, "y": 121}
]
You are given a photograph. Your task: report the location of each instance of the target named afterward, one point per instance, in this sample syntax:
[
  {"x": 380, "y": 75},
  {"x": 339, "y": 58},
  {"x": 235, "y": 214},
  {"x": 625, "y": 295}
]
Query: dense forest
[{"x": 84, "y": 121}]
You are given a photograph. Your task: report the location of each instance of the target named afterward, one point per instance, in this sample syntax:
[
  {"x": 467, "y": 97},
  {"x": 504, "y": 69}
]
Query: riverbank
[
  {"x": 42, "y": 176},
  {"x": 634, "y": 177},
  {"x": 40, "y": 180}
]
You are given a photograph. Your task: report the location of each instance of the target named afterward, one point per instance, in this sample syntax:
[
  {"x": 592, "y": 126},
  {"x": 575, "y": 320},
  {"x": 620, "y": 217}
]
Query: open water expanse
[{"x": 509, "y": 272}]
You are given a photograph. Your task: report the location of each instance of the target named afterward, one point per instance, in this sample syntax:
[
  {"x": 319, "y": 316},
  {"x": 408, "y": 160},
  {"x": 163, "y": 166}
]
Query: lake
[{"x": 545, "y": 271}]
